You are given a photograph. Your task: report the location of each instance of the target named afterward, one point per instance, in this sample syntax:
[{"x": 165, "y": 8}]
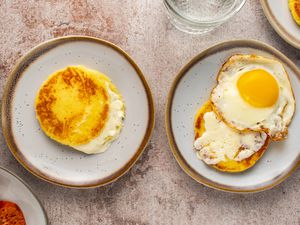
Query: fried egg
[
  {"x": 254, "y": 93},
  {"x": 223, "y": 147},
  {"x": 81, "y": 108},
  {"x": 294, "y": 6}
]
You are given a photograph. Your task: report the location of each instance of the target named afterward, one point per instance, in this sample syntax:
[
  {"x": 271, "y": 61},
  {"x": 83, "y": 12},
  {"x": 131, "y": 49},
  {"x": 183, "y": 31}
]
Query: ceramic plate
[
  {"x": 13, "y": 189},
  {"x": 57, "y": 163},
  {"x": 192, "y": 88},
  {"x": 279, "y": 16}
]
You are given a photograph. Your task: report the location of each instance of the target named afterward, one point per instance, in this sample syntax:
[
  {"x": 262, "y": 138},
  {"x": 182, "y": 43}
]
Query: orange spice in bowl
[{"x": 10, "y": 213}]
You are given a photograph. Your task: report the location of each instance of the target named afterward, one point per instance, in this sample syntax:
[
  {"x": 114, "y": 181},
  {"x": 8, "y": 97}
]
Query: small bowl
[
  {"x": 193, "y": 20},
  {"x": 14, "y": 189}
]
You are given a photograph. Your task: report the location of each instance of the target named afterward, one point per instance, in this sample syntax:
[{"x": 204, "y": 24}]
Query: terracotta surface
[{"x": 156, "y": 190}]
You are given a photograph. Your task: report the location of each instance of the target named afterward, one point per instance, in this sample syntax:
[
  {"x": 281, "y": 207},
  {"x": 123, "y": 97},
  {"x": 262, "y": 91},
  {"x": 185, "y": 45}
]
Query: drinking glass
[{"x": 201, "y": 16}]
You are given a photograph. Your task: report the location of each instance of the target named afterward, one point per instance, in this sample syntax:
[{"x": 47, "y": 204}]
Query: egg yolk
[{"x": 258, "y": 88}]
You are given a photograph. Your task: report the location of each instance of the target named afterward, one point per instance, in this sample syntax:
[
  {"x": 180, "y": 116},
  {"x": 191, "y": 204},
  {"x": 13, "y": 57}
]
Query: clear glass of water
[{"x": 201, "y": 16}]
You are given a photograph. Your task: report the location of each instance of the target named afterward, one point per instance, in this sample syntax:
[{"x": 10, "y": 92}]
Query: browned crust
[
  {"x": 294, "y": 6},
  {"x": 10, "y": 213},
  {"x": 297, "y": 8},
  {"x": 230, "y": 166},
  {"x": 277, "y": 137},
  {"x": 62, "y": 129}
]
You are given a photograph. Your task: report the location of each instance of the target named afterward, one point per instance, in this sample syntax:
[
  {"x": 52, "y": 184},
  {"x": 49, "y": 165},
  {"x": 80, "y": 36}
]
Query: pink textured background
[{"x": 156, "y": 190}]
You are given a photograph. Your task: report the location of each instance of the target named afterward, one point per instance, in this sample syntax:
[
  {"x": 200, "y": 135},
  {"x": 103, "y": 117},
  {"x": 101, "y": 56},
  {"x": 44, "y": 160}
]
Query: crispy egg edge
[{"x": 282, "y": 135}]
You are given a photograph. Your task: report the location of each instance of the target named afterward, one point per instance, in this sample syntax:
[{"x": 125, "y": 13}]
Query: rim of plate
[
  {"x": 281, "y": 31},
  {"x": 30, "y": 190},
  {"x": 172, "y": 143},
  {"x": 11, "y": 83}
]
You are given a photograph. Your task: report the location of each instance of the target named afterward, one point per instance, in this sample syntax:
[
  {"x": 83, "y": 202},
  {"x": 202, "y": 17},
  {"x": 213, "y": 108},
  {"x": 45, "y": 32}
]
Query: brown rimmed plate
[
  {"x": 57, "y": 163},
  {"x": 14, "y": 189},
  {"x": 192, "y": 87},
  {"x": 279, "y": 16}
]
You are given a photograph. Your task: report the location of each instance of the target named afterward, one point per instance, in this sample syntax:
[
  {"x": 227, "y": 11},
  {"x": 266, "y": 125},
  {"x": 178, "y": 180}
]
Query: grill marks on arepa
[{"x": 72, "y": 106}]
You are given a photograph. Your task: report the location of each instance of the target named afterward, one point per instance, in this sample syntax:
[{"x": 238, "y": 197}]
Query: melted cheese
[
  {"x": 112, "y": 128},
  {"x": 220, "y": 142}
]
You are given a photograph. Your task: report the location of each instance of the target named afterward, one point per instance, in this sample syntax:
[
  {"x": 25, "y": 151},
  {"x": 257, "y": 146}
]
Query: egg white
[{"x": 240, "y": 114}]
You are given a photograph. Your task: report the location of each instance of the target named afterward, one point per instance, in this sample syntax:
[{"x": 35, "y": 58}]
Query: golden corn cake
[
  {"x": 81, "y": 108},
  {"x": 225, "y": 148},
  {"x": 294, "y": 6}
]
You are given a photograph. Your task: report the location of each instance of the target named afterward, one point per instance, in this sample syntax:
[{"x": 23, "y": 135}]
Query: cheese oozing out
[
  {"x": 111, "y": 129},
  {"x": 220, "y": 142}
]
